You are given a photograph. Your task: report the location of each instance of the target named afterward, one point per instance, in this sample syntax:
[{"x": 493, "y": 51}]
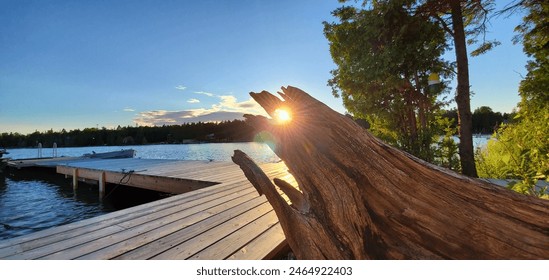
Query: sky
[{"x": 79, "y": 64}]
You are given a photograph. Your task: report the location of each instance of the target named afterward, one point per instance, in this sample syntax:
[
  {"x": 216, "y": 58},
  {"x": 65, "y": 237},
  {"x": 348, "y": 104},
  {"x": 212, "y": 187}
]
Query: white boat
[{"x": 130, "y": 153}]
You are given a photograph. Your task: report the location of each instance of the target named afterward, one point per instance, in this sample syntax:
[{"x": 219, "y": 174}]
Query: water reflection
[{"x": 31, "y": 202}]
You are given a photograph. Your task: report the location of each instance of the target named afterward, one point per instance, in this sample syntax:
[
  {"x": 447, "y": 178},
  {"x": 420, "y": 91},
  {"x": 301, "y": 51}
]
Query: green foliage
[
  {"x": 534, "y": 89},
  {"x": 384, "y": 55},
  {"x": 446, "y": 151},
  {"x": 485, "y": 47},
  {"x": 521, "y": 150}
]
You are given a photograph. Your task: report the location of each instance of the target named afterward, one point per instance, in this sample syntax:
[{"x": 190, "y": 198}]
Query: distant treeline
[
  {"x": 485, "y": 121},
  {"x": 227, "y": 131}
]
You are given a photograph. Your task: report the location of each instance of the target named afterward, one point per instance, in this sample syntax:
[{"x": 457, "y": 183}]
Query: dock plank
[
  {"x": 265, "y": 246},
  {"x": 63, "y": 233},
  {"x": 52, "y": 235},
  {"x": 133, "y": 242},
  {"x": 208, "y": 237},
  {"x": 231, "y": 243},
  {"x": 167, "y": 242},
  {"x": 163, "y": 224},
  {"x": 227, "y": 219}
]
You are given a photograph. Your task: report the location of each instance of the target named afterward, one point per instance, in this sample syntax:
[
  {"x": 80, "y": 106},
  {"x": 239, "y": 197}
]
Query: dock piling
[
  {"x": 101, "y": 186},
  {"x": 75, "y": 179}
]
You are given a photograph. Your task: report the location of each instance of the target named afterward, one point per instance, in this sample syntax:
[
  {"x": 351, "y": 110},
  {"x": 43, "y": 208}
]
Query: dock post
[
  {"x": 101, "y": 186},
  {"x": 39, "y": 150},
  {"x": 75, "y": 179}
]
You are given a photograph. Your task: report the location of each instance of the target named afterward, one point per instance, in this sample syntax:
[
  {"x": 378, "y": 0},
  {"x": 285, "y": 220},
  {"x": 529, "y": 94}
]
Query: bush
[{"x": 519, "y": 151}]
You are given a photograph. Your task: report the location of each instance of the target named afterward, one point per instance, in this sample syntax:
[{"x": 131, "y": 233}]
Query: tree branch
[{"x": 444, "y": 24}]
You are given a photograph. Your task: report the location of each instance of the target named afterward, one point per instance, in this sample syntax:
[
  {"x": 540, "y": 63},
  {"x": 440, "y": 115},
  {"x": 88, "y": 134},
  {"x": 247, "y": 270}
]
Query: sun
[{"x": 282, "y": 115}]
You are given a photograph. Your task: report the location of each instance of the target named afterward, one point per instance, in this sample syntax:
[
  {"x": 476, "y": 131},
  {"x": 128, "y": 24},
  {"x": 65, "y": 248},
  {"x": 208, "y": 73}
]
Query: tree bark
[
  {"x": 463, "y": 97},
  {"x": 358, "y": 198}
]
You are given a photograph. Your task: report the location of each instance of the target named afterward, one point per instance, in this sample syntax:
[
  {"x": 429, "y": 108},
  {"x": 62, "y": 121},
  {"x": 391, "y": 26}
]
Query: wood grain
[{"x": 362, "y": 199}]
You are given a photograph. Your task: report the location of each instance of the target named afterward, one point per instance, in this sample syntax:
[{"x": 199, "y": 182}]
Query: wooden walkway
[{"x": 228, "y": 220}]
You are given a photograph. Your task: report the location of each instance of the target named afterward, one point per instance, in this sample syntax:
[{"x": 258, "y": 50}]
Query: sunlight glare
[{"x": 282, "y": 115}]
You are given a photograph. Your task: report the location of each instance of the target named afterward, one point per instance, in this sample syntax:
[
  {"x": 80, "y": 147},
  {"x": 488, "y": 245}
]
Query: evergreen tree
[
  {"x": 384, "y": 57},
  {"x": 461, "y": 22}
]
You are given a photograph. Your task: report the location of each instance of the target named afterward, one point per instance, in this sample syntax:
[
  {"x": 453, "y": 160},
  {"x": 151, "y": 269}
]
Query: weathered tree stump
[{"x": 359, "y": 198}]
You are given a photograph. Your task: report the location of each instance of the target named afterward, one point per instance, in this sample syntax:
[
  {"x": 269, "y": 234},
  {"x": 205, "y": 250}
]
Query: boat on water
[
  {"x": 129, "y": 153},
  {"x": 54, "y": 161}
]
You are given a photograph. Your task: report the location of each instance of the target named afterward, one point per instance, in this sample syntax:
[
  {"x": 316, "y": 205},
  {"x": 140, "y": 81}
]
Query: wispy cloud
[
  {"x": 180, "y": 87},
  {"x": 193, "y": 100},
  {"x": 129, "y": 110},
  {"x": 156, "y": 117},
  {"x": 228, "y": 108},
  {"x": 204, "y": 93}
]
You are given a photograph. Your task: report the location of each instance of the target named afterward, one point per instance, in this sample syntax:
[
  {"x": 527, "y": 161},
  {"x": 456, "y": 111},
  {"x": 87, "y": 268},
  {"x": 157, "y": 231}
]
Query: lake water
[
  {"x": 211, "y": 151},
  {"x": 34, "y": 201}
]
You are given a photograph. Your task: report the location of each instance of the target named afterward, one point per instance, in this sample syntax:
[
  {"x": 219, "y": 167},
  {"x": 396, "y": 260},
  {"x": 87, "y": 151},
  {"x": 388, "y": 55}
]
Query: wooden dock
[
  {"x": 219, "y": 215},
  {"x": 169, "y": 176}
]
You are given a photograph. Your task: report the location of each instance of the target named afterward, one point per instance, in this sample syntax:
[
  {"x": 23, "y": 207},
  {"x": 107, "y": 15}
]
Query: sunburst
[{"x": 282, "y": 115}]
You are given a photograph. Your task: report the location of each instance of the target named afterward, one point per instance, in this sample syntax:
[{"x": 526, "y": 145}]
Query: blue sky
[{"x": 77, "y": 64}]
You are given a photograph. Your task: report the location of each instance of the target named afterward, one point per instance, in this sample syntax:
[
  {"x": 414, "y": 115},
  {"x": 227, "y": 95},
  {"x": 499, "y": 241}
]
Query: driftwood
[{"x": 359, "y": 198}]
